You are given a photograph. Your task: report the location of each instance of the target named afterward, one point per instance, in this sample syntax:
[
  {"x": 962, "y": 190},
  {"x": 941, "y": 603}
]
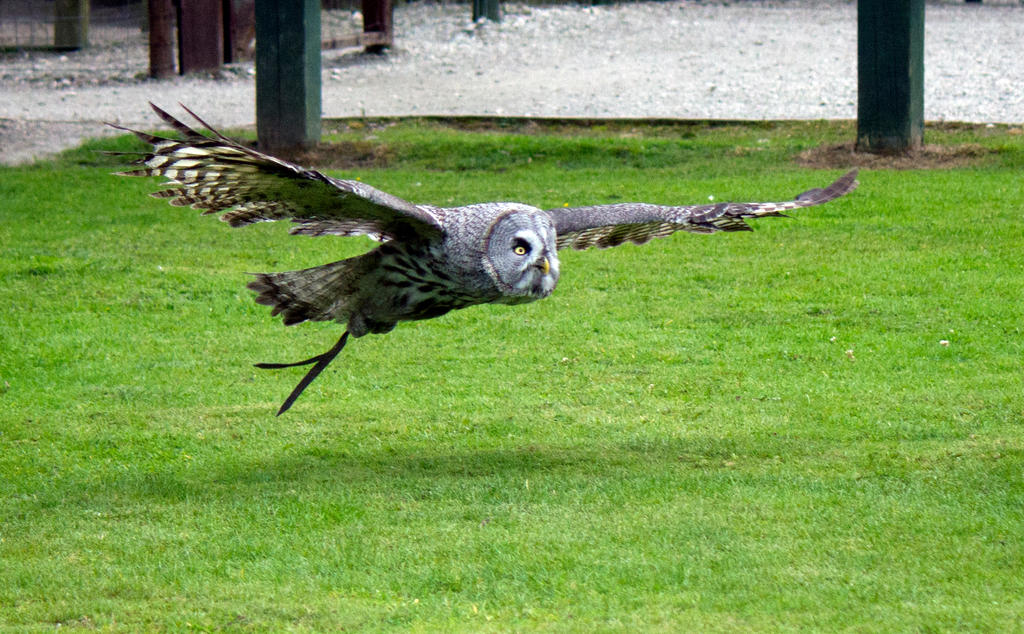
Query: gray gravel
[{"x": 748, "y": 60}]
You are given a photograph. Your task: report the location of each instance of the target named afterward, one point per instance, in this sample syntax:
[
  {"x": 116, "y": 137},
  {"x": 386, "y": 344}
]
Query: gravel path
[{"x": 682, "y": 59}]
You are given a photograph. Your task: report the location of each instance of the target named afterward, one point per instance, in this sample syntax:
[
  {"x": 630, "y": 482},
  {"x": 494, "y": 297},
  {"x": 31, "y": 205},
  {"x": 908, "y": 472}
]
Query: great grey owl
[{"x": 432, "y": 259}]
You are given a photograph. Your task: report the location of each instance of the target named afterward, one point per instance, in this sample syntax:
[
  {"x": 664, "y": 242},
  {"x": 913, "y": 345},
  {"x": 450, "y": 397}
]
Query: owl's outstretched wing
[
  {"x": 216, "y": 174},
  {"x": 605, "y": 226}
]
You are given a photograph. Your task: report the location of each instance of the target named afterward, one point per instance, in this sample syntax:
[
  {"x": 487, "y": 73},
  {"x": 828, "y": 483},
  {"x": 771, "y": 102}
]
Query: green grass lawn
[{"x": 752, "y": 431}]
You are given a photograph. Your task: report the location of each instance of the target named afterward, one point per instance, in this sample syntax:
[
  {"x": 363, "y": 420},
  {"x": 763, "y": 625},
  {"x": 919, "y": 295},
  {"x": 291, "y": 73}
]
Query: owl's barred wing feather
[
  {"x": 605, "y": 226},
  {"x": 216, "y": 174}
]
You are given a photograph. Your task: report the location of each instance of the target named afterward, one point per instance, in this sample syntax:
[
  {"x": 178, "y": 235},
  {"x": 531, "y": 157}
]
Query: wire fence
[
  {"x": 40, "y": 24},
  {"x": 47, "y": 24},
  {"x": 54, "y": 24}
]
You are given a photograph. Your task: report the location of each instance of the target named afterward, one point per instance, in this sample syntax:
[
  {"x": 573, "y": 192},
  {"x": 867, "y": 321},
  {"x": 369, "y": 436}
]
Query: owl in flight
[{"x": 431, "y": 259}]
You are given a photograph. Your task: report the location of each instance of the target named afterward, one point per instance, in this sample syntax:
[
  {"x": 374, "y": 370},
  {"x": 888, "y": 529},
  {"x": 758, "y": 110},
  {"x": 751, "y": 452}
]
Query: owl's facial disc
[
  {"x": 538, "y": 265},
  {"x": 523, "y": 257}
]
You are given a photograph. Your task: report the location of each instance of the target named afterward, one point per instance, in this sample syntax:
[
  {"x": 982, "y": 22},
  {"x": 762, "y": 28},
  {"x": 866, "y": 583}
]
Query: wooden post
[
  {"x": 200, "y": 35},
  {"x": 287, "y": 74},
  {"x": 489, "y": 9},
  {"x": 239, "y": 30},
  {"x": 161, "y": 39},
  {"x": 71, "y": 24},
  {"x": 378, "y": 25},
  {"x": 890, "y": 75}
]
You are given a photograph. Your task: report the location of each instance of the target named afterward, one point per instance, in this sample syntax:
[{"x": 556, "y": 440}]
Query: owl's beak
[{"x": 544, "y": 265}]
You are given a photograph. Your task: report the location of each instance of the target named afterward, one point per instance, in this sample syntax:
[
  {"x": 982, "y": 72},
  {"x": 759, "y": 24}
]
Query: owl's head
[{"x": 521, "y": 254}]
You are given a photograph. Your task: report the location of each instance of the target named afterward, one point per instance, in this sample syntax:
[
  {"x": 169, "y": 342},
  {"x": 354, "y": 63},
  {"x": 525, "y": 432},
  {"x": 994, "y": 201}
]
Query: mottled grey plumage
[{"x": 433, "y": 259}]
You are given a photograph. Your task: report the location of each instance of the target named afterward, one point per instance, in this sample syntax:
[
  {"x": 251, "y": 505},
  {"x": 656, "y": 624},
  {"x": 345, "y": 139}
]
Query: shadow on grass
[
  {"x": 328, "y": 472},
  {"x": 384, "y": 469}
]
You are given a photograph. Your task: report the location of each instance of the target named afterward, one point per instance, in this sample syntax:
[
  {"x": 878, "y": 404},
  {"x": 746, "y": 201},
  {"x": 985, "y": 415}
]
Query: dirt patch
[
  {"x": 348, "y": 155},
  {"x": 930, "y": 156},
  {"x": 339, "y": 155}
]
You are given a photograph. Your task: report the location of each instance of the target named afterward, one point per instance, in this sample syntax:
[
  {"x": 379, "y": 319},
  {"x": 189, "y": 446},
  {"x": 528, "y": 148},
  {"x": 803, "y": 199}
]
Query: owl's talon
[
  {"x": 278, "y": 366},
  {"x": 322, "y": 361}
]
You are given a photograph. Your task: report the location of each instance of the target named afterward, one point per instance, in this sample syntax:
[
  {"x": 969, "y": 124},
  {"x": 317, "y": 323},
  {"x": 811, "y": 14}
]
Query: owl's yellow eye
[
  {"x": 521, "y": 247},
  {"x": 520, "y": 250}
]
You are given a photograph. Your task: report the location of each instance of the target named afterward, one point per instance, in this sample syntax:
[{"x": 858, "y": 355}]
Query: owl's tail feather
[
  {"x": 321, "y": 360},
  {"x": 321, "y": 293}
]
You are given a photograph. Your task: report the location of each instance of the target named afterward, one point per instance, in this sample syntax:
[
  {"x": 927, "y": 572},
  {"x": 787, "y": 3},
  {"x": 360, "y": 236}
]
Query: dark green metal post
[
  {"x": 890, "y": 75},
  {"x": 71, "y": 24},
  {"x": 287, "y": 74},
  {"x": 489, "y": 9}
]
